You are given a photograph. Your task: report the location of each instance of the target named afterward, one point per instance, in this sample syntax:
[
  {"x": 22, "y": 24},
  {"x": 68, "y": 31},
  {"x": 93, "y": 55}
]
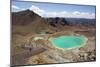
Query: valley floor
[{"x": 23, "y": 53}]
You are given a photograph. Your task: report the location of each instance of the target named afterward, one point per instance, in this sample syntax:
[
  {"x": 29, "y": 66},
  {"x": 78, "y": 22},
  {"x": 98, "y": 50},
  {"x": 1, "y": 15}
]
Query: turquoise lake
[{"x": 68, "y": 41}]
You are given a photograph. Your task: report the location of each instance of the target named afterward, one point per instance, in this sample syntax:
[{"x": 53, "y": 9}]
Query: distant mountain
[
  {"x": 29, "y": 19},
  {"x": 70, "y": 21},
  {"x": 55, "y": 22},
  {"x": 81, "y": 21}
]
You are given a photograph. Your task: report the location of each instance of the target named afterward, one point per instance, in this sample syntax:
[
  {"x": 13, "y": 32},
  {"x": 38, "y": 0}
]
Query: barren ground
[{"x": 47, "y": 53}]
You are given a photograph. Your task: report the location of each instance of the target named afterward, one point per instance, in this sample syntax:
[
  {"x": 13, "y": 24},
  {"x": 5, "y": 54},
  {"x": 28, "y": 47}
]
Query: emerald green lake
[{"x": 68, "y": 41}]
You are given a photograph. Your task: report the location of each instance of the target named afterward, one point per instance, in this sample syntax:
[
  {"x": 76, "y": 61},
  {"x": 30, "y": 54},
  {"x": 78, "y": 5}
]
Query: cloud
[
  {"x": 78, "y": 14},
  {"x": 74, "y": 14},
  {"x": 15, "y": 7},
  {"x": 37, "y": 10}
]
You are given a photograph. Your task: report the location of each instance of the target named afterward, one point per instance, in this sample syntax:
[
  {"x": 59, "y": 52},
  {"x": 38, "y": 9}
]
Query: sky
[{"x": 55, "y": 10}]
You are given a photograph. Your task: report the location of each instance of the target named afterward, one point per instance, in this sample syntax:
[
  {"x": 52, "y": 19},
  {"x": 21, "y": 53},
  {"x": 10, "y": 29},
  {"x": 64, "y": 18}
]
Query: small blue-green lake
[{"x": 68, "y": 41}]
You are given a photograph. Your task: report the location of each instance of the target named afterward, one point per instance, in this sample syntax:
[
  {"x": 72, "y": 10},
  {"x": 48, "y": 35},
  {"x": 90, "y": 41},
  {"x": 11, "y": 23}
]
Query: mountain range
[{"x": 37, "y": 23}]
